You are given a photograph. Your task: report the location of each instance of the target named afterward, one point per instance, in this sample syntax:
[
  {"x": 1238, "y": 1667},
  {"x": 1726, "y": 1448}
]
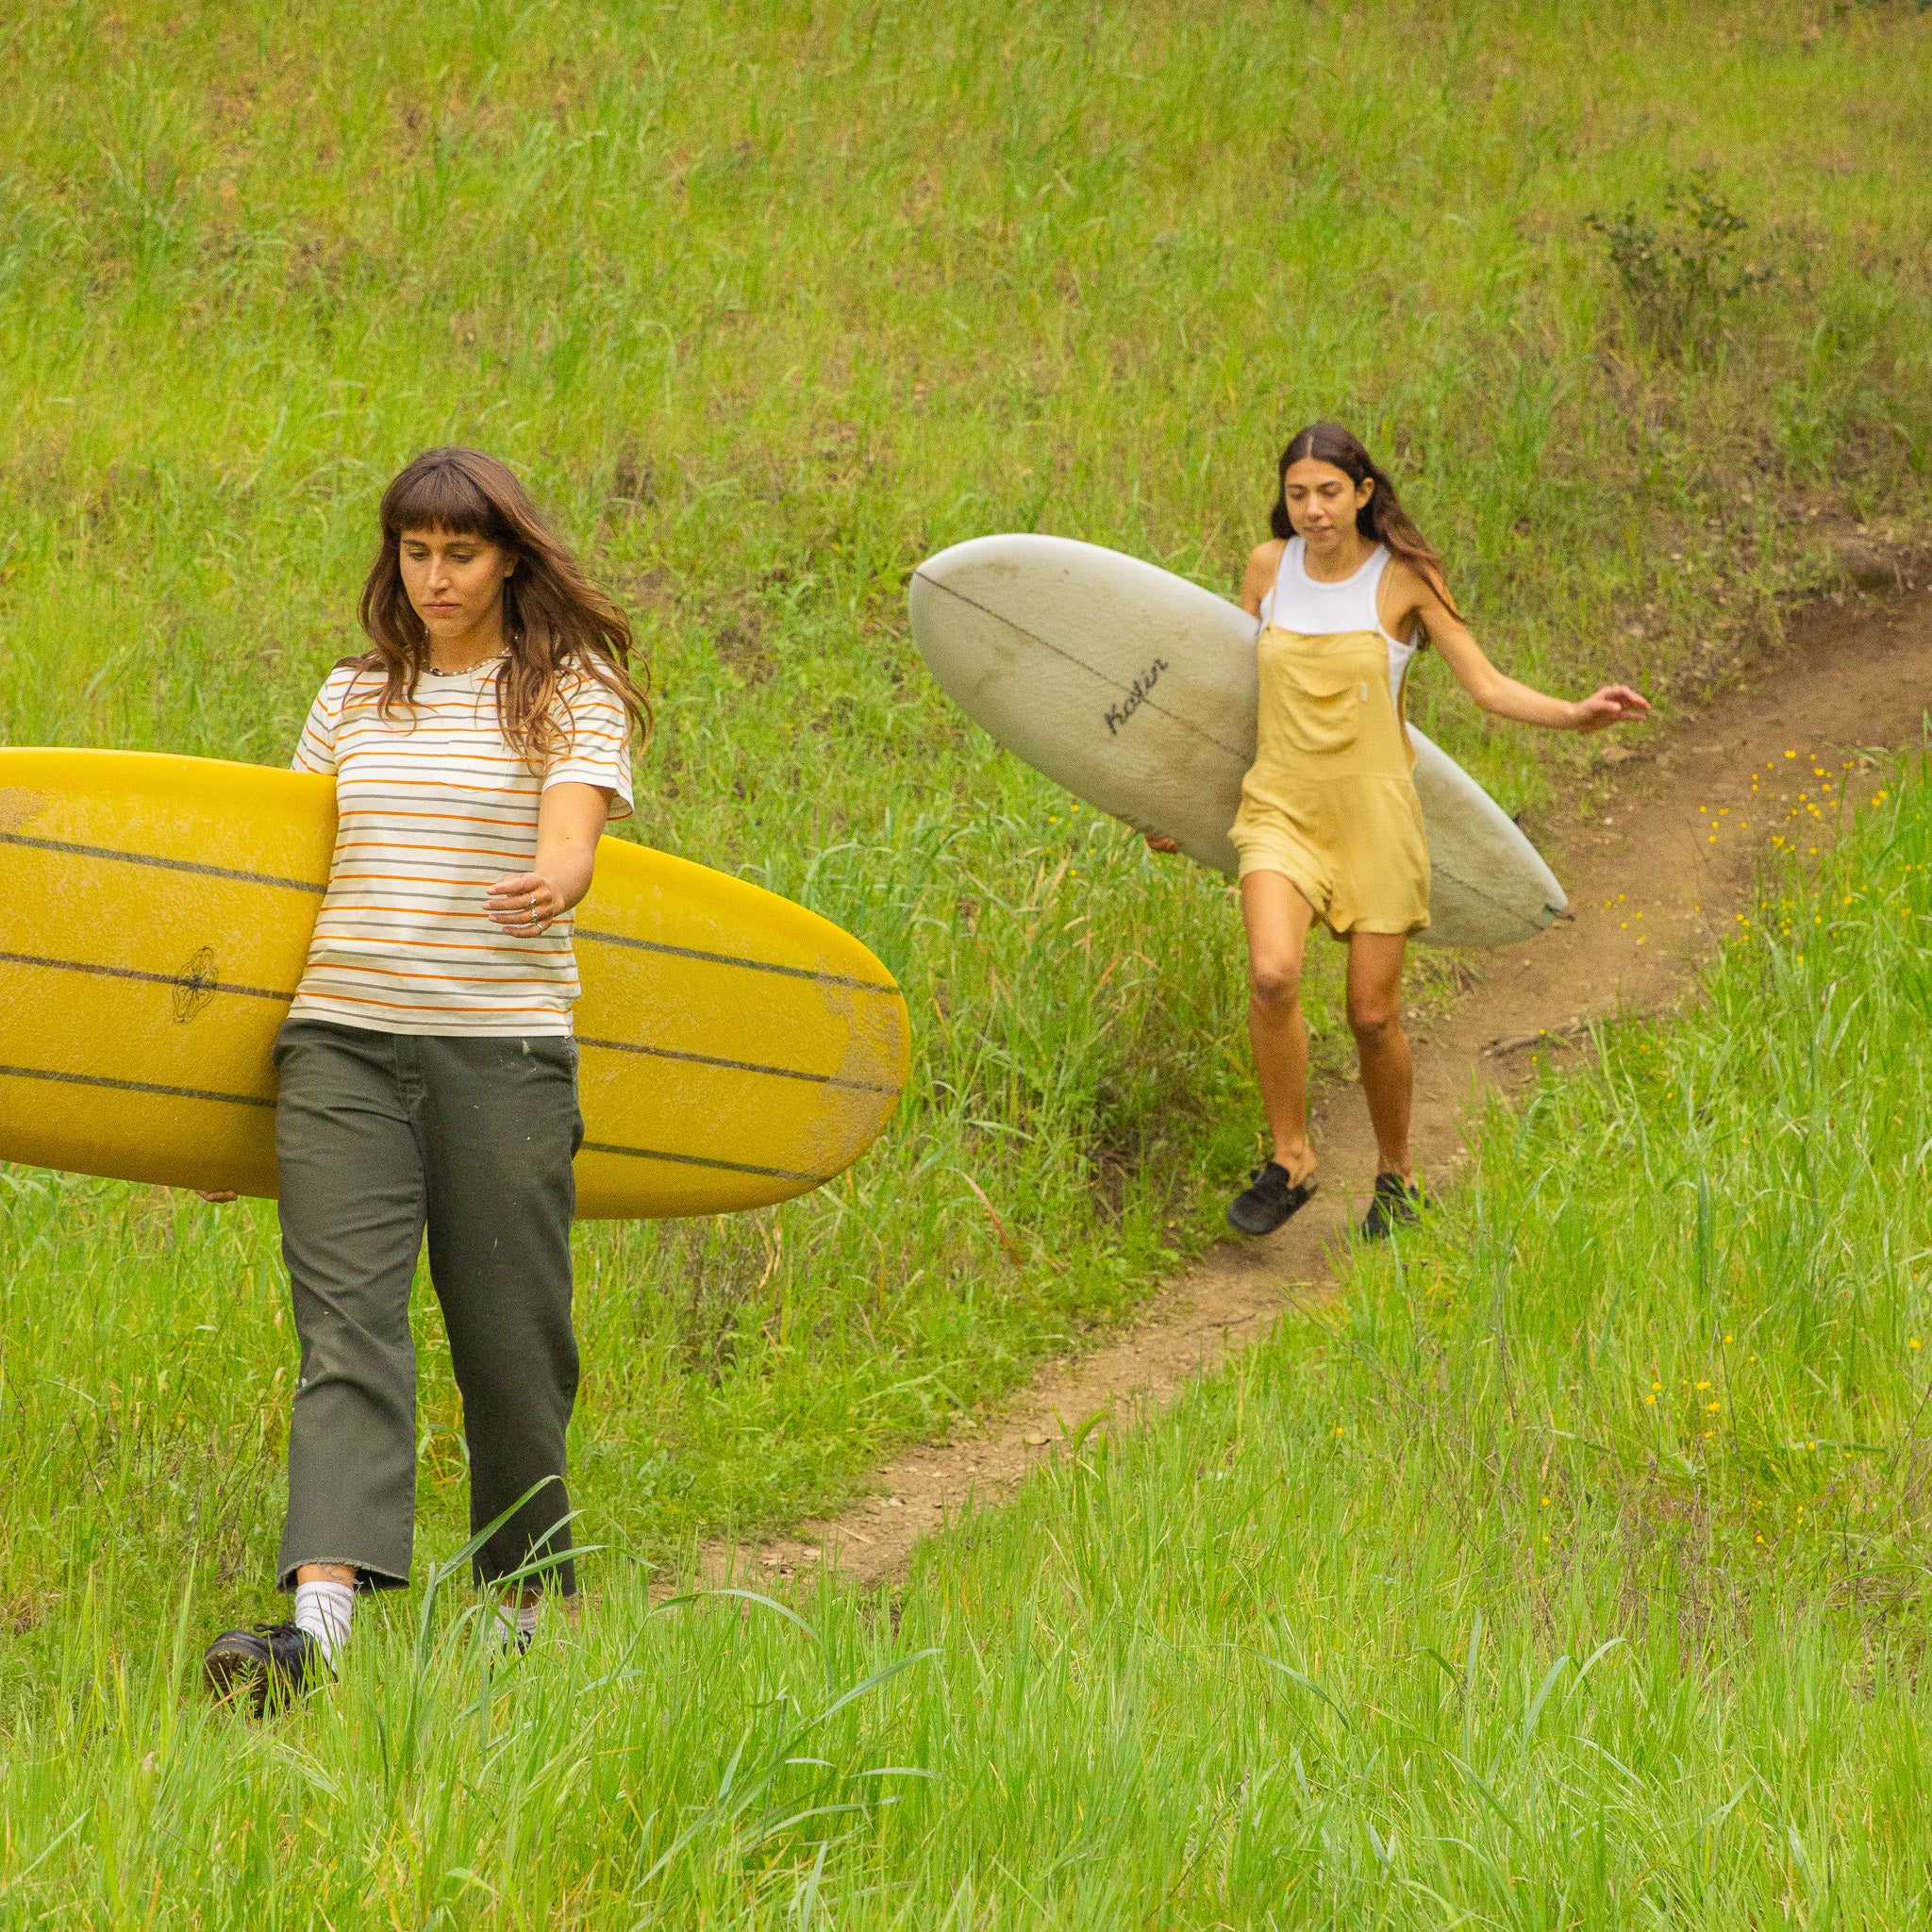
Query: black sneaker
[
  {"x": 1397, "y": 1203},
  {"x": 266, "y": 1666},
  {"x": 1269, "y": 1200}
]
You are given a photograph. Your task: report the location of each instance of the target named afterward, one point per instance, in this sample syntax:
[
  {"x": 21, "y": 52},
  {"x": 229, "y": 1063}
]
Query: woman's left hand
[
  {"x": 1616, "y": 704},
  {"x": 568, "y": 823},
  {"x": 525, "y": 903}
]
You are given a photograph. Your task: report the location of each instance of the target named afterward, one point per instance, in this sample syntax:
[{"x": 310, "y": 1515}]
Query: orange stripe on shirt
[{"x": 437, "y": 784}]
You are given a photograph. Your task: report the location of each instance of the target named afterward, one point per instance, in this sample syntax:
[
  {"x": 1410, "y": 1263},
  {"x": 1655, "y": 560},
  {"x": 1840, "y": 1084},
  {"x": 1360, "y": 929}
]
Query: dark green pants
[{"x": 380, "y": 1137}]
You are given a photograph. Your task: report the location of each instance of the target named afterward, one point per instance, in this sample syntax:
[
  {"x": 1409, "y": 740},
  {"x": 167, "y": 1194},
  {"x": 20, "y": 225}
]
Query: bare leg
[
  {"x": 1277, "y": 919},
  {"x": 1374, "y": 1016}
]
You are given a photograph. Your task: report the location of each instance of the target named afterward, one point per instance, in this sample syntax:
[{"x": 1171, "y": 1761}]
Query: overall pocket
[{"x": 1320, "y": 704}]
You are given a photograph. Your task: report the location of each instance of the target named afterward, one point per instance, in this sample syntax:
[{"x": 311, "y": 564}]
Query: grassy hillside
[
  {"x": 1575, "y": 1576},
  {"x": 768, "y": 302}
]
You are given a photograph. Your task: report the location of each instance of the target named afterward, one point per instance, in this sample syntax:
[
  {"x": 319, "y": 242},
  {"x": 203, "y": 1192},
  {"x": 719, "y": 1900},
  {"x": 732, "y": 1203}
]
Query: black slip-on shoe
[
  {"x": 1269, "y": 1200},
  {"x": 1397, "y": 1203},
  {"x": 264, "y": 1667}
]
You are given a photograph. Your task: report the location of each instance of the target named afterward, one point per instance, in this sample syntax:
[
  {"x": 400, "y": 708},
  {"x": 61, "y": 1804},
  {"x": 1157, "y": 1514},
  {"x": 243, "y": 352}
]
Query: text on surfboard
[{"x": 1118, "y": 714}]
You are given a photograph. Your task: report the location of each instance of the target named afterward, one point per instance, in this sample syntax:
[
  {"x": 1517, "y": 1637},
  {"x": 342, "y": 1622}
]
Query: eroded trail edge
[{"x": 1656, "y": 875}]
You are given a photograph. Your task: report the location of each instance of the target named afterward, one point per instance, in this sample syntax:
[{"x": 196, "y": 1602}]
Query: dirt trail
[{"x": 1655, "y": 875}]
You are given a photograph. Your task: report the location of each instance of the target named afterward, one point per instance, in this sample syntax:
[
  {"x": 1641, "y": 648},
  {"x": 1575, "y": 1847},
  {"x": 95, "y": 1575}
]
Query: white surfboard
[{"x": 1135, "y": 690}]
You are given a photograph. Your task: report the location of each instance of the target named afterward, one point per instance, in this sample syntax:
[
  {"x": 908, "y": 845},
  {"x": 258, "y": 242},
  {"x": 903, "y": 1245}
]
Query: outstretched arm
[{"x": 1411, "y": 597}]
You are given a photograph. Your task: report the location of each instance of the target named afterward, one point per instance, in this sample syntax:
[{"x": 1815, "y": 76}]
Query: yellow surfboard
[{"x": 154, "y": 914}]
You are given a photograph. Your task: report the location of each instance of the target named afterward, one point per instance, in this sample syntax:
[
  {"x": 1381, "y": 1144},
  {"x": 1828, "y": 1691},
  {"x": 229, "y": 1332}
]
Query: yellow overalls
[{"x": 1330, "y": 802}]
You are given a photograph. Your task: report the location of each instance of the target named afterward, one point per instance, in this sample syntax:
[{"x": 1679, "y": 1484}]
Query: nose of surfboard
[{"x": 736, "y": 1048}]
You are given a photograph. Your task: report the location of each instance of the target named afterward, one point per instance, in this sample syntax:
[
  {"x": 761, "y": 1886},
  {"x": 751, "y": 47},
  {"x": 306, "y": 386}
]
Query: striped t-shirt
[{"x": 433, "y": 807}]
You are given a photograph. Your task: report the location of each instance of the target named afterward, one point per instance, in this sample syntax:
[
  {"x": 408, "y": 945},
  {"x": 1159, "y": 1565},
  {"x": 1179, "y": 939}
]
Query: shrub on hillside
[{"x": 1677, "y": 269}]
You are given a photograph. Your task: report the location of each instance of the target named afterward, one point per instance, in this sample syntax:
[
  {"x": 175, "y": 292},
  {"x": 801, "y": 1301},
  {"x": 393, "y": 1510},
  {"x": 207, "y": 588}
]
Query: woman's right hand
[
  {"x": 1615, "y": 704},
  {"x": 1159, "y": 841},
  {"x": 219, "y": 1195}
]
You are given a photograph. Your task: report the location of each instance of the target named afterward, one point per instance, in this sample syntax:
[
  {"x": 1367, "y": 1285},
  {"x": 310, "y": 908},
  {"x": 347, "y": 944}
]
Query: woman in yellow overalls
[{"x": 1330, "y": 826}]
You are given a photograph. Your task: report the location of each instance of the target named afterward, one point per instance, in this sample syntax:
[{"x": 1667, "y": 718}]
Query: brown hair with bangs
[{"x": 558, "y": 625}]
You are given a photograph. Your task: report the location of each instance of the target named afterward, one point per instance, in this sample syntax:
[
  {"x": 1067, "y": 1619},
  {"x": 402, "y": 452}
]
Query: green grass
[
  {"x": 1572, "y": 1576},
  {"x": 768, "y": 302}
]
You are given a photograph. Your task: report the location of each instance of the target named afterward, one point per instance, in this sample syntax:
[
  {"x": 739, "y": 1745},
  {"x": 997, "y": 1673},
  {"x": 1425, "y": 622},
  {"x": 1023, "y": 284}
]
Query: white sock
[
  {"x": 324, "y": 1609},
  {"x": 519, "y": 1623}
]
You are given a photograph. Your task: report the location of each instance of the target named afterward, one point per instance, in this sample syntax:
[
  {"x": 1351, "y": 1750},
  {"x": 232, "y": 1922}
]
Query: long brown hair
[
  {"x": 558, "y": 625},
  {"x": 1381, "y": 519}
]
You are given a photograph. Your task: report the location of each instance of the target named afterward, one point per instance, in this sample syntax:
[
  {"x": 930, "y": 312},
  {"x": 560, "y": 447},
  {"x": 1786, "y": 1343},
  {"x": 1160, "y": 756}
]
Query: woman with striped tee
[{"x": 427, "y": 1073}]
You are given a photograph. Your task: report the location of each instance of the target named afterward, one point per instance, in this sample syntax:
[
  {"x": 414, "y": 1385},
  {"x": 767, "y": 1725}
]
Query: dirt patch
[{"x": 1658, "y": 868}]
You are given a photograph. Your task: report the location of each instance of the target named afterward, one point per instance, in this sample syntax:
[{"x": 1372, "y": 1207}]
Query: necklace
[{"x": 469, "y": 670}]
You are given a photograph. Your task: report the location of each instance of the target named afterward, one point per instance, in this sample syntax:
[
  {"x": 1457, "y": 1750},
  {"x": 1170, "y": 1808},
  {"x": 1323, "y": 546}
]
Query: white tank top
[{"x": 1314, "y": 609}]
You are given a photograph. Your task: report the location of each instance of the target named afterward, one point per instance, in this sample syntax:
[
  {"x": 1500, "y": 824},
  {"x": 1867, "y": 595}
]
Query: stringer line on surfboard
[
  {"x": 1080, "y": 664},
  {"x": 776, "y": 1173},
  {"x": 189, "y": 981},
  {"x": 63, "y": 1078},
  {"x": 812, "y": 974},
  {"x": 206, "y": 872},
  {"x": 713, "y": 1059}
]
